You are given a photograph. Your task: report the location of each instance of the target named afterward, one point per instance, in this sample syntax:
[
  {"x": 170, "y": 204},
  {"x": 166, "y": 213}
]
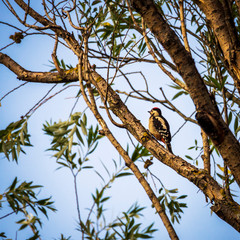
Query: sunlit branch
[
  {"x": 130, "y": 164},
  {"x": 206, "y": 152},
  {"x": 183, "y": 26},
  {"x": 43, "y": 77}
]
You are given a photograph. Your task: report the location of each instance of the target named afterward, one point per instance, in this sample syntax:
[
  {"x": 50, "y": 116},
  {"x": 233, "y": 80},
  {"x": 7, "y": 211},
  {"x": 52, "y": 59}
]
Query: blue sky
[{"x": 38, "y": 166}]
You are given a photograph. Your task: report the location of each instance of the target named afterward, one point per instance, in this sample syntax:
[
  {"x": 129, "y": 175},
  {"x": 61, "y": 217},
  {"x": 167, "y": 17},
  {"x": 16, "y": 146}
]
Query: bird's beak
[{"x": 149, "y": 111}]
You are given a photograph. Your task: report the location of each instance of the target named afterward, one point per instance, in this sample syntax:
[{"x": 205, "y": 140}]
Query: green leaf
[
  {"x": 220, "y": 176},
  {"x": 96, "y": 2},
  {"x": 90, "y": 136},
  {"x": 182, "y": 197},
  {"x": 215, "y": 82},
  {"x": 72, "y": 131},
  {"x": 93, "y": 149},
  {"x": 237, "y": 130},
  {"x": 79, "y": 136},
  {"x": 18, "y": 148},
  {"x": 2, "y": 234},
  {"x": 13, "y": 185},
  {"x": 229, "y": 118},
  {"x": 236, "y": 125},
  {"x": 175, "y": 190},
  {"x": 70, "y": 143},
  {"x": 179, "y": 94},
  {"x": 200, "y": 28},
  {"x": 83, "y": 127},
  {"x": 123, "y": 174},
  {"x": 88, "y": 167},
  {"x": 60, "y": 153},
  {"x": 14, "y": 154},
  {"x": 189, "y": 157},
  {"x": 4, "y": 149},
  {"x": 22, "y": 137}
]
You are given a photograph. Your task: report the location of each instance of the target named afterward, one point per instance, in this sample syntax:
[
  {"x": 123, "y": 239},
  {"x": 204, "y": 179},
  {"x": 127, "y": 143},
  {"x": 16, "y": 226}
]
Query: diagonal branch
[
  {"x": 199, "y": 177},
  {"x": 207, "y": 115},
  {"x": 92, "y": 105}
]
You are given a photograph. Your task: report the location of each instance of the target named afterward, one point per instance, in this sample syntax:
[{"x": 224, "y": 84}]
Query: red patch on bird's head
[{"x": 157, "y": 110}]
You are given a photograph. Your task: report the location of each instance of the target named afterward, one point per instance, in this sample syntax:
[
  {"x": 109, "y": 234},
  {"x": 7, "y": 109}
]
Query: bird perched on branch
[{"x": 159, "y": 127}]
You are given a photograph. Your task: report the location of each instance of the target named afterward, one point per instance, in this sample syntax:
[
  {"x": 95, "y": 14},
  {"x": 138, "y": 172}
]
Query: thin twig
[
  {"x": 176, "y": 110},
  {"x": 169, "y": 74},
  {"x": 13, "y": 90},
  {"x": 39, "y": 102}
]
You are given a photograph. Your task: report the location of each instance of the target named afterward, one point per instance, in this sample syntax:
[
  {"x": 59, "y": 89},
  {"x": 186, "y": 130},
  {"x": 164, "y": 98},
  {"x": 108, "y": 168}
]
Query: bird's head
[{"x": 155, "y": 112}]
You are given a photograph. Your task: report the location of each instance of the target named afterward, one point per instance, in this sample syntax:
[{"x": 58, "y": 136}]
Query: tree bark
[
  {"x": 207, "y": 115},
  {"x": 218, "y": 13},
  {"x": 92, "y": 105},
  {"x": 225, "y": 208},
  {"x": 40, "y": 77}
]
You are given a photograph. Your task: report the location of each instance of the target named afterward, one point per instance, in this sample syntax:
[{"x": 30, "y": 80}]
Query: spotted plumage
[{"x": 159, "y": 127}]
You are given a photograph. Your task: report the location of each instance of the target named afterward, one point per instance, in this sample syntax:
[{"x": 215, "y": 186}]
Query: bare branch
[
  {"x": 206, "y": 152},
  {"x": 43, "y": 77},
  {"x": 21, "y": 85},
  {"x": 183, "y": 26},
  {"x": 173, "y": 108}
]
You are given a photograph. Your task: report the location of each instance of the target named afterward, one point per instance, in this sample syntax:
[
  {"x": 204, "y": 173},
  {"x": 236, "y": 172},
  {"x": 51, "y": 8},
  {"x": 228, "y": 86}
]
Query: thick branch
[
  {"x": 206, "y": 152},
  {"x": 199, "y": 177},
  {"x": 219, "y": 16},
  {"x": 207, "y": 115},
  {"x": 42, "y": 77},
  {"x": 125, "y": 156}
]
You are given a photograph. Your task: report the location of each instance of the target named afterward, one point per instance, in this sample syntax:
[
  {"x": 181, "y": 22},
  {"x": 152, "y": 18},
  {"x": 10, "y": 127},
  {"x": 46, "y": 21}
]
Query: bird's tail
[{"x": 169, "y": 147}]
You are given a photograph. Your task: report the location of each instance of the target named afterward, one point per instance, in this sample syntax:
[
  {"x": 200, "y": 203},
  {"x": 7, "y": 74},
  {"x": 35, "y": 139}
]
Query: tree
[{"x": 195, "y": 43}]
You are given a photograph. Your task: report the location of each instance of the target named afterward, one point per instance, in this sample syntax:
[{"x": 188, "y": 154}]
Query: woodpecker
[{"x": 159, "y": 127}]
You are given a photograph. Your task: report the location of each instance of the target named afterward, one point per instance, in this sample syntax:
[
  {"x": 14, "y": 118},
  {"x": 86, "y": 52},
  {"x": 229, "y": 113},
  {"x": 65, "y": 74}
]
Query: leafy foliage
[
  {"x": 74, "y": 142},
  {"x": 69, "y": 135},
  {"x": 124, "y": 227},
  {"x": 21, "y": 197},
  {"x": 13, "y": 138},
  {"x": 171, "y": 202}
]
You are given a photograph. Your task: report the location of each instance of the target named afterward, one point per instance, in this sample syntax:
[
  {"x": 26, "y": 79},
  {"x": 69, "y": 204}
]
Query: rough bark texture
[
  {"x": 218, "y": 13},
  {"x": 41, "y": 77},
  {"x": 208, "y": 118},
  {"x": 92, "y": 105},
  {"x": 223, "y": 207}
]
